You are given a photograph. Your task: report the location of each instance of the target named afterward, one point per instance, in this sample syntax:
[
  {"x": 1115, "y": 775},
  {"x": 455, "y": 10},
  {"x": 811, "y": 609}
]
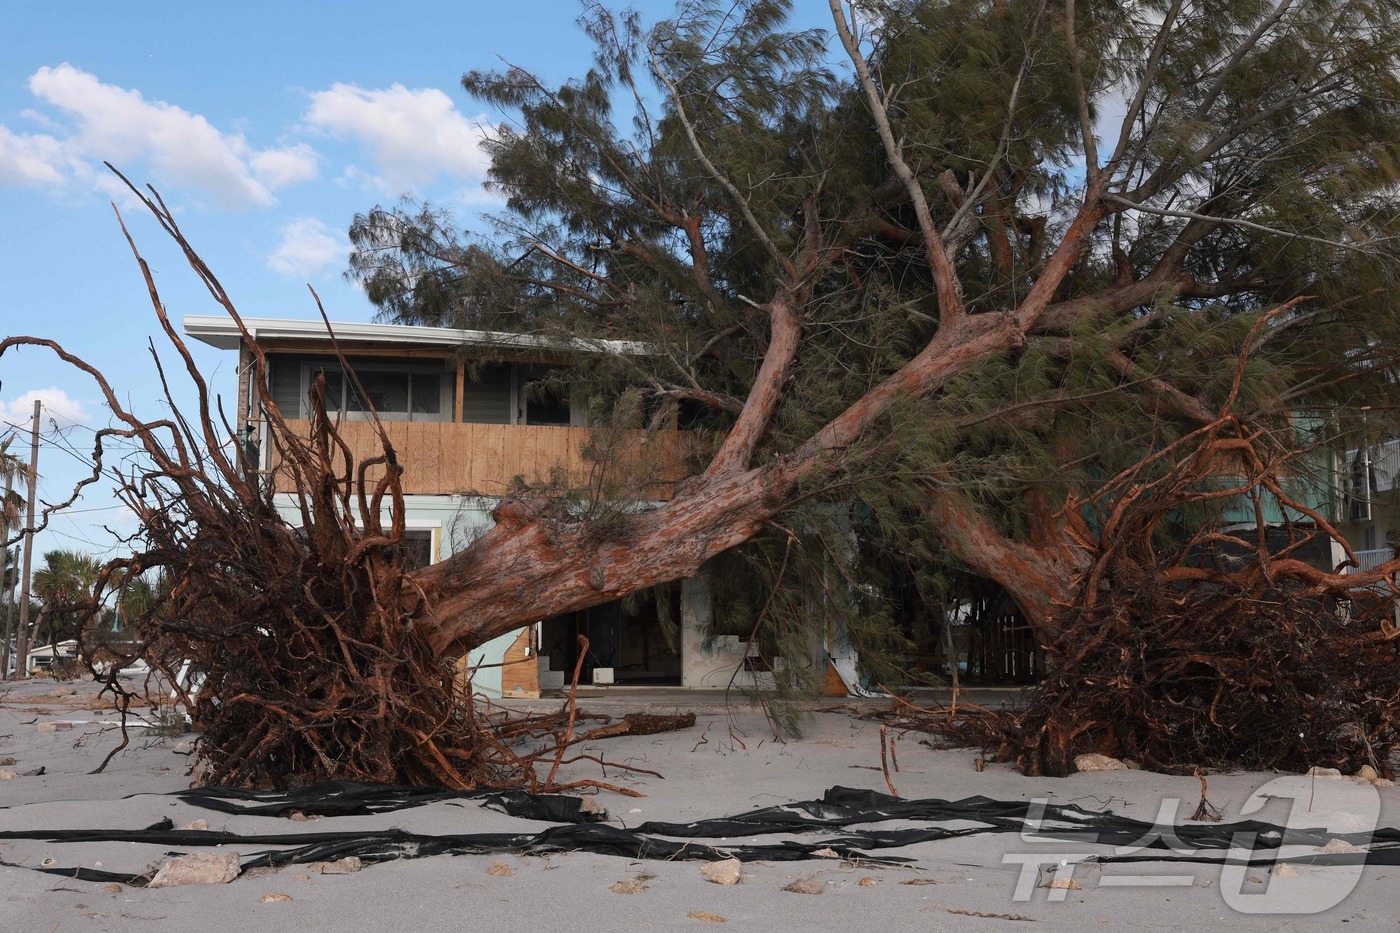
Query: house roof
[{"x": 222, "y": 332}]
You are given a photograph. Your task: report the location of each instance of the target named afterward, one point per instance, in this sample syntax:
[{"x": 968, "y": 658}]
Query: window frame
[{"x": 446, "y": 395}]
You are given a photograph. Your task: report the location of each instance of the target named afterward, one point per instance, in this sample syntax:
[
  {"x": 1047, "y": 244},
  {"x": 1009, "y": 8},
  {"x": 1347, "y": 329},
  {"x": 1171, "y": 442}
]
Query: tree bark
[
  {"x": 527, "y": 568},
  {"x": 1040, "y": 574}
]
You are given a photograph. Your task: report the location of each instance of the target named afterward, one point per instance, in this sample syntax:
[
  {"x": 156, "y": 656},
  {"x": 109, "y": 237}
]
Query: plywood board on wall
[{"x": 520, "y": 672}]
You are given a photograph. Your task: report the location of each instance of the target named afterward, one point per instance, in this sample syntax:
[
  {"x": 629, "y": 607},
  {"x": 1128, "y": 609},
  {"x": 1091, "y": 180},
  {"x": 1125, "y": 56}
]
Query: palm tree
[
  {"x": 13, "y": 472},
  {"x": 66, "y": 579}
]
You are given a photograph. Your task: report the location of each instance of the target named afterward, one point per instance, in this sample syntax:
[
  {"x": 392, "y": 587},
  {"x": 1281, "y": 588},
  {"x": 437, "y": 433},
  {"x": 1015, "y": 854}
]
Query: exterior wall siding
[{"x": 451, "y": 458}]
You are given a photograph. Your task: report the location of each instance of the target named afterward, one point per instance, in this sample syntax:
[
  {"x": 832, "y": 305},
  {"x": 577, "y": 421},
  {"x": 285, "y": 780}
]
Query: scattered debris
[
  {"x": 197, "y": 868},
  {"x": 8, "y": 775},
  {"x": 1093, "y": 762},
  {"x": 6, "y": 762},
  {"x": 886, "y": 744},
  {"x": 54, "y": 726},
  {"x": 706, "y": 916},
  {"x": 842, "y": 817},
  {"x": 867, "y": 882},
  {"x": 1339, "y": 846},
  {"x": 275, "y": 898},
  {"x": 1285, "y": 871},
  {"x": 721, "y": 872},
  {"x": 628, "y": 886},
  {"x": 500, "y": 870},
  {"x": 828, "y": 852},
  {"x": 341, "y": 866},
  {"x": 194, "y": 826},
  {"x": 641, "y": 724},
  {"x": 1367, "y": 773},
  {"x": 1325, "y": 774},
  {"x": 977, "y": 913},
  {"x": 805, "y": 886},
  {"x": 114, "y": 888},
  {"x": 1065, "y": 884},
  {"x": 1206, "y": 812}
]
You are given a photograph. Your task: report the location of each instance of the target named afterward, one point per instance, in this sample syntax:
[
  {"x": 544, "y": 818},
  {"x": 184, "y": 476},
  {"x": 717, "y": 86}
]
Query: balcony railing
[
  {"x": 1383, "y": 465},
  {"x": 453, "y": 458},
  {"x": 1370, "y": 560}
]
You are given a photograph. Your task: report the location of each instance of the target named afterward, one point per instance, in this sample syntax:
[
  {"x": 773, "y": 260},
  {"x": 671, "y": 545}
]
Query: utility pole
[
  {"x": 22, "y": 648},
  {"x": 7, "y": 592}
]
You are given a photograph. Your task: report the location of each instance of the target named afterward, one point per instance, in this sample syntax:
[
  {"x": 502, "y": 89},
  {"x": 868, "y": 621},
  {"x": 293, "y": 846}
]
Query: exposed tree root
[
  {"x": 1192, "y": 648},
  {"x": 301, "y": 635}
]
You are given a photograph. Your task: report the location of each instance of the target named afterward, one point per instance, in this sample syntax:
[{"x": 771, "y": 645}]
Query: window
[
  {"x": 417, "y": 548},
  {"x": 397, "y": 392},
  {"x": 543, "y": 401},
  {"x": 424, "y": 390},
  {"x": 1358, "y": 487}
]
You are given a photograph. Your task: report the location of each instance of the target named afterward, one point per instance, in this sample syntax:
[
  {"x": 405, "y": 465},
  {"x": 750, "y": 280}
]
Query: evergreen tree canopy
[{"x": 963, "y": 259}]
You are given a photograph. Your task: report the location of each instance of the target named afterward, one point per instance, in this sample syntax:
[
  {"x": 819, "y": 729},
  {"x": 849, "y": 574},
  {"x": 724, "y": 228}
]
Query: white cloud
[
  {"x": 281, "y": 167},
  {"x": 307, "y": 247},
  {"x": 32, "y": 161},
  {"x": 178, "y": 148},
  {"x": 413, "y": 137},
  {"x": 19, "y": 412}
]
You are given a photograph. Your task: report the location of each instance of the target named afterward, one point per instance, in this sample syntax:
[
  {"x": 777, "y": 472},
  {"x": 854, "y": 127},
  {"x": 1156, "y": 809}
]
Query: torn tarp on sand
[{"x": 833, "y": 817}]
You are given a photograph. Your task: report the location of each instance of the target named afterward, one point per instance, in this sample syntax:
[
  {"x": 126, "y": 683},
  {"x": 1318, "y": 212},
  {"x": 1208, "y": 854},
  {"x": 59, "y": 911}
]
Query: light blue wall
[{"x": 455, "y": 521}]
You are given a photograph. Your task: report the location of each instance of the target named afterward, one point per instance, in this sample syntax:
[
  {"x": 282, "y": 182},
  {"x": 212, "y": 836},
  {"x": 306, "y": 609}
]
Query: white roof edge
[{"x": 223, "y": 333}]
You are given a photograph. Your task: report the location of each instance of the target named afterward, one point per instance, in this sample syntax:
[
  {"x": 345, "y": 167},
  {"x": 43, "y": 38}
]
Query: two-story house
[{"x": 468, "y": 412}]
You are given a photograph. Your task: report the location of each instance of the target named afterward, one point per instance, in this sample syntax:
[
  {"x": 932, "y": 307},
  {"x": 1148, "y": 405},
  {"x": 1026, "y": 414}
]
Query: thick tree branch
[
  {"x": 767, "y": 392},
  {"x": 945, "y": 277}
]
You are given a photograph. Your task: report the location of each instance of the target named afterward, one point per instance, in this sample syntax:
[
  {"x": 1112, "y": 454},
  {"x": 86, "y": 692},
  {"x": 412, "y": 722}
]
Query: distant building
[{"x": 1370, "y": 503}]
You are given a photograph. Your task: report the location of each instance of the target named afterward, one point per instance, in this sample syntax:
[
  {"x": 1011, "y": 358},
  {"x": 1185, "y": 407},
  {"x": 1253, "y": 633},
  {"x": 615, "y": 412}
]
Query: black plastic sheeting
[
  {"x": 354, "y": 798},
  {"x": 832, "y": 818}
]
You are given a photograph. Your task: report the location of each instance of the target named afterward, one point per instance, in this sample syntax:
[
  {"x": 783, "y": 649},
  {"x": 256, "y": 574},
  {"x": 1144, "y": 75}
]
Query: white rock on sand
[
  {"x": 725, "y": 871},
  {"x": 1325, "y": 774},
  {"x": 197, "y": 868},
  {"x": 341, "y": 866},
  {"x": 1098, "y": 763}
]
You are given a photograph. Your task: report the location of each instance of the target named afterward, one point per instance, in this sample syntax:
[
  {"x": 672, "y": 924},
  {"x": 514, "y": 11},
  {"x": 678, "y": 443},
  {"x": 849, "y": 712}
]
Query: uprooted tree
[{"x": 950, "y": 284}]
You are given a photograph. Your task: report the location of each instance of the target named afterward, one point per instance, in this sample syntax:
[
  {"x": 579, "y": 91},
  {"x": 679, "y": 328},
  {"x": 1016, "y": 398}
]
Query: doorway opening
[{"x": 638, "y": 639}]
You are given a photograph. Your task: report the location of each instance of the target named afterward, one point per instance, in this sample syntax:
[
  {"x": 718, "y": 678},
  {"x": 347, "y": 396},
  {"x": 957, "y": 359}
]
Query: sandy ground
[{"x": 710, "y": 771}]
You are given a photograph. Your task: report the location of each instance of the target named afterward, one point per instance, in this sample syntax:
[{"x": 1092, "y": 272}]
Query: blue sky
[{"x": 266, "y": 126}]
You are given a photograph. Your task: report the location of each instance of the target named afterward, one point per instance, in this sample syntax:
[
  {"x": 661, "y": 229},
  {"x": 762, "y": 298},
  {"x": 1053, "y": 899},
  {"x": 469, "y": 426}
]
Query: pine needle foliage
[{"x": 1128, "y": 185}]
